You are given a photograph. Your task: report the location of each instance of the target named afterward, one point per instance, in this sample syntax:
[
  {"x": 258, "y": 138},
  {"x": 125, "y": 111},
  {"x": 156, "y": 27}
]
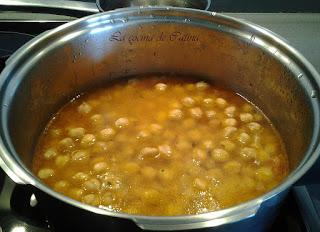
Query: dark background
[{"x": 266, "y": 6}]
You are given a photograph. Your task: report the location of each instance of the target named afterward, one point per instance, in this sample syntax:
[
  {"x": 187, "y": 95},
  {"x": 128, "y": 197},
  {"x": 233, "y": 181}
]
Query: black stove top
[{"x": 19, "y": 212}]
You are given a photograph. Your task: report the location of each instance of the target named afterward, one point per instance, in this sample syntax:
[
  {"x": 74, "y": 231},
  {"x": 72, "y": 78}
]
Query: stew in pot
[{"x": 160, "y": 145}]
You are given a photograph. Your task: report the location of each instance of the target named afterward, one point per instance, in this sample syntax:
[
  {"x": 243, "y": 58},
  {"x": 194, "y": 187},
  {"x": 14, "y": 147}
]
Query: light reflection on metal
[
  {"x": 71, "y": 36},
  {"x": 33, "y": 201},
  {"x": 18, "y": 229},
  {"x": 100, "y": 29}
]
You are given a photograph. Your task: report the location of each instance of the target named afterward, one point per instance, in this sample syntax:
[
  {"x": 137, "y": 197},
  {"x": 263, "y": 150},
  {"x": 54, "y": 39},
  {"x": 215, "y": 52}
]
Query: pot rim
[{"x": 14, "y": 169}]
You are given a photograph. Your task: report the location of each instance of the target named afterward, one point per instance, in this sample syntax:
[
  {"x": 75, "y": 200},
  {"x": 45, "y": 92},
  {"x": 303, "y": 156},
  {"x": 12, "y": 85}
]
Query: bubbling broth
[{"x": 160, "y": 145}]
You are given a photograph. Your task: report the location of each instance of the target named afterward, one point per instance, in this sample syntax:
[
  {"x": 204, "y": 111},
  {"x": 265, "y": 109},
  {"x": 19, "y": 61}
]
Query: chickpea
[
  {"x": 150, "y": 195},
  {"x": 84, "y": 108},
  {"x": 211, "y": 114},
  {"x": 161, "y": 87},
  {"x": 100, "y": 167},
  {"x": 77, "y": 132},
  {"x": 107, "y": 133},
  {"x": 228, "y": 145},
  {"x": 232, "y": 167},
  {"x": 61, "y": 160},
  {"x": 131, "y": 167},
  {"x": 208, "y": 144},
  {"x": 45, "y": 173},
  {"x": 99, "y": 147},
  {"x": 80, "y": 176},
  {"x": 263, "y": 156},
  {"x": 91, "y": 199},
  {"x": 88, "y": 140},
  {"x": 107, "y": 198},
  {"x": 148, "y": 172},
  {"x": 92, "y": 185},
  {"x": 55, "y": 133},
  {"x": 196, "y": 112},
  {"x": 221, "y": 102},
  {"x": 230, "y": 111},
  {"x": 254, "y": 126},
  {"x": 66, "y": 143},
  {"x": 248, "y": 153},
  {"x": 229, "y": 130},
  {"x": 264, "y": 174},
  {"x": 188, "y": 101},
  {"x": 257, "y": 117},
  {"x": 200, "y": 184},
  {"x": 244, "y": 138},
  {"x": 76, "y": 193},
  {"x": 165, "y": 150},
  {"x": 215, "y": 174},
  {"x": 199, "y": 154},
  {"x": 50, "y": 153},
  {"x": 111, "y": 183},
  {"x": 175, "y": 114},
  {"x": 248, "y": 183},
  {"x": 97, "y": 159},
  {"x": 201, "y": 85},
  {"x": 230, "y": 122},
  {"x": 149, "y": 151},
  {"x": 143, "y": 134},
  {"x": 183, "y": 145},
  {"x": 165, "y": 175},
  {"x": 220, "y": 155},
  {"x": 271, "y": 148},
  {"x": 121, "y": 122},
  {"x": 198, "y": 98},
  {"x": 247, "y": 108},
  {"x": 190, "y": 87},
  {"x": 61, "y": 185},
  {"x": 97, "y": 120},
  {"x": 94, "y": 103},
  {"x": 246, "y": 117},
  {"x": 155, "y": 128},
  {"x": 248, "y": 171},
  {"x": 80, "y": 155}
]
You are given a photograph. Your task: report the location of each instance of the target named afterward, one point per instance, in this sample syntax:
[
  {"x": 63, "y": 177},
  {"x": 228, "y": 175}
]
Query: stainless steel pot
[{"x": 251, "y": 60}]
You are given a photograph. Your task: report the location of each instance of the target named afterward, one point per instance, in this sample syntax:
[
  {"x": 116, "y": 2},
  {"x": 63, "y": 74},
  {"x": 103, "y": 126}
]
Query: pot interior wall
[{"x": 69, "y": 62}]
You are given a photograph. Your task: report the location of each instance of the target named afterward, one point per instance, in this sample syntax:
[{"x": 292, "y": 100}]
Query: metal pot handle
[{"x": 202, "y": 222}]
